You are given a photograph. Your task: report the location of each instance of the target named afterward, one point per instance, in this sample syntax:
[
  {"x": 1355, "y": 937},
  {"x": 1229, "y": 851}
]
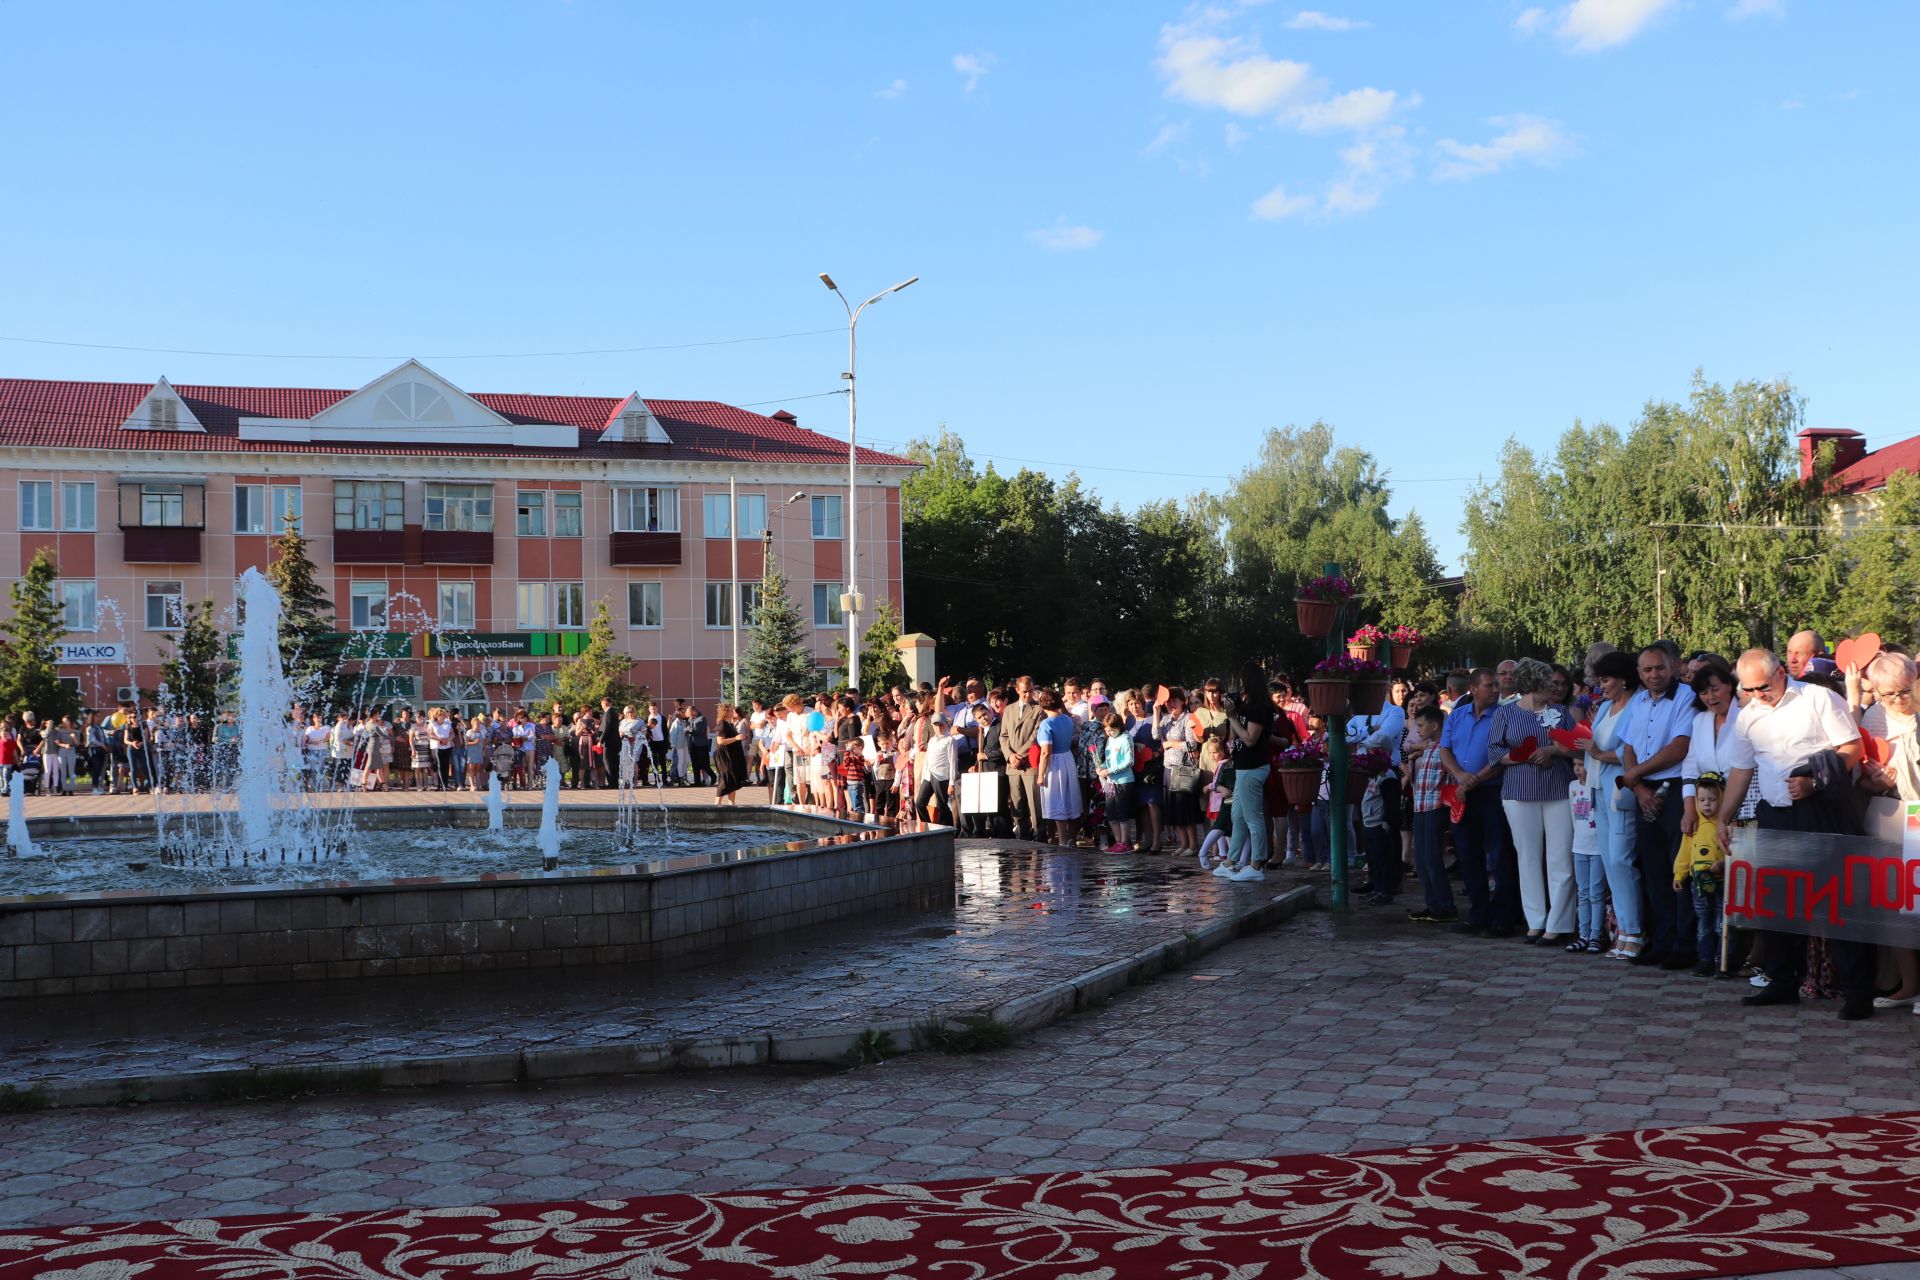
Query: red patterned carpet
[{"x": 1701, "y": 1201}]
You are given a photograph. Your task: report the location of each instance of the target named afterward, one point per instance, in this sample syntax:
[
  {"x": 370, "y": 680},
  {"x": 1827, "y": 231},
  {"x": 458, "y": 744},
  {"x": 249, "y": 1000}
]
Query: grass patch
[
  {"x": 874, "y": 1047},
  {"x": 982, "y": 1034}
]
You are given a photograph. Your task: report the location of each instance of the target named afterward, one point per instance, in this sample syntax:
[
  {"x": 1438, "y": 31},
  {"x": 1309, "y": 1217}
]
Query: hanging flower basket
[
  {"x": 1328, "y": 696},
  {"x": 1317, "y": 604},
  {"x": 1315, "y": 617},
  {"x": 1301, "y": 785},
  {"x": 1367, "y": 697},
  {"x": 1364, "y": 644},
  {"x": 1362, "y": 652},
  {"x": 1402, "y": 656},
  {"x": 1404, "y": 640}
]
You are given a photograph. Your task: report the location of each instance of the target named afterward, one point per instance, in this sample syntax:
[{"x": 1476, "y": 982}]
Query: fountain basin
[{"x": 809, "y": 870}]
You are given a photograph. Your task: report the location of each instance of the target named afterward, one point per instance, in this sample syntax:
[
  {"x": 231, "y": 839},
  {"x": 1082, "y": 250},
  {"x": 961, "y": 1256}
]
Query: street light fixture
[{"x": 851, "y": 603}]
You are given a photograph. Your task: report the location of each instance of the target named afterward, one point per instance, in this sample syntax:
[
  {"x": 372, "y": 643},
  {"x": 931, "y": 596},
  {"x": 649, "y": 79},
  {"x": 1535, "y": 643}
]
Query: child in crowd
[
  {"x": 854, "y": 780},
  {"x": 942, "y": 767},
  {"x": 1588, "y": 871},
  {"x": 1376, "y": 837},
  {"x": 1425, "y": 776},
  {"x": 1219, "y": 796},
  {"x": 1696, "y": 873},
  {"x": 1319, "y": 827},
  {"x": 1117, "y": 782}
]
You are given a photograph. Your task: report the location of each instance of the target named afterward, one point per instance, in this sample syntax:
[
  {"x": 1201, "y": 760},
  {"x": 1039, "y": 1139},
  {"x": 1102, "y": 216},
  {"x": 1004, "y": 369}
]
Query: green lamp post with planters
[{"x": 1320, "y": 604}]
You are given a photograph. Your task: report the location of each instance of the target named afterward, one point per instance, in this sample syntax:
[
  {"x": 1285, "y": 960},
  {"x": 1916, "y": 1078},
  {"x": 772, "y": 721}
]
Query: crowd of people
[{"x": 1586, "y": 809}]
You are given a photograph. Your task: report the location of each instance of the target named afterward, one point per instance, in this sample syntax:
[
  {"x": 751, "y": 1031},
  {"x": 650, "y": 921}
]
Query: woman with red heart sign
[{"x": 1533, "y": 793}]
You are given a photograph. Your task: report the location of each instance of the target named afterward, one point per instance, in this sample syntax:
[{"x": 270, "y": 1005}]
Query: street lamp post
[{"x": 851, "y": 601}]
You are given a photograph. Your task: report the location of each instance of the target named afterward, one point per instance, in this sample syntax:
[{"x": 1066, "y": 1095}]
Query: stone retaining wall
[{"x": 229, "y": 936}]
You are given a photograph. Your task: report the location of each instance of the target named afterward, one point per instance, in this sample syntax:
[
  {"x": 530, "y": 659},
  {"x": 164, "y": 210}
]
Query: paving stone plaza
[{"x": 1317, "y": 1034}]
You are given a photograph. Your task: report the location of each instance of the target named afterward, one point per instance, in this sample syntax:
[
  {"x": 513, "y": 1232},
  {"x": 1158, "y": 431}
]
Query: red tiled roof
[
  {"x": 87, "y": 415},
  {"x": 1871, "y": 472}
]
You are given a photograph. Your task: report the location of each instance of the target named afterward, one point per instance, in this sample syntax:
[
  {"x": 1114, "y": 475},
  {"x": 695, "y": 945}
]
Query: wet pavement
[
  {"x": 1023, "y": 918},
  {"x": 1326, "y": 1034}
]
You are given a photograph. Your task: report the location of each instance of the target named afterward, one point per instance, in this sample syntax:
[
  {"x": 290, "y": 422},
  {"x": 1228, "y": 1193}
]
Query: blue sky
[{"x": 1144, "y": 231}]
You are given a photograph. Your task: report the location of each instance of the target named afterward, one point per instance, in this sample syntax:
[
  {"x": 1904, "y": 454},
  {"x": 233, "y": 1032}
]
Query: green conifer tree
[
  {"x": 598, "y": 671},
  {"x": 193, "y": 672},
  {"x": 880, "y": 665},
  {"x": 310, "y": 646},
  {"x": 29, "y": 674},
  {"x": 777, "y": 661}
]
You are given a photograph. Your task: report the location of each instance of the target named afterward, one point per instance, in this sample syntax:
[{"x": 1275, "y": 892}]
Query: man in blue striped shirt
[{"x": 1655, "y": 731}]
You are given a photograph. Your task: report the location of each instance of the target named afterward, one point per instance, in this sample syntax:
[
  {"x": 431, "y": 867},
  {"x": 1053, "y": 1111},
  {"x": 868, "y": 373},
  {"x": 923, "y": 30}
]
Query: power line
[{"x": 487, "y": 355}]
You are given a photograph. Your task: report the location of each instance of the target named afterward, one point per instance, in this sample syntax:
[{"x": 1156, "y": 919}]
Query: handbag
[{"x": 1183, "y": 777}]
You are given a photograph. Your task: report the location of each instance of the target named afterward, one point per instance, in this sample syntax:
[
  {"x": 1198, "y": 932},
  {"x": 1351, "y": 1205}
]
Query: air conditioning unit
[
  {"x": 513, "y": 675},
  {"x": 126, "y": 693},
  {"x": 492, "y": 677}
]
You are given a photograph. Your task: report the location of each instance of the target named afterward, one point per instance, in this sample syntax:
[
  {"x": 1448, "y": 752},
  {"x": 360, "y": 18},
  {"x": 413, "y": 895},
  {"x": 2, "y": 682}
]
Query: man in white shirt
[{"x": 1783, "y": 726}]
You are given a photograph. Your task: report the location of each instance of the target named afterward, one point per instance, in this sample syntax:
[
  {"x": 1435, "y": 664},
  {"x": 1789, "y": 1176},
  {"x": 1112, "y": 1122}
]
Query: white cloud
[
  {"x": 1530, "y": 22},
  {"x": 1231, "y": 73},
  {"x": 1062, "y": 237},
  {"x": 1791, "y": 104},
  {"x": 895, "y": 90},
  {"x": 1277, "y": 204},
  {"x": 1313, "y": 20},
  {"x": 1591, "y": 26},
  {"x": 1168, "y": 135},
  {"x": 1235, "y": 135},
  {"x": 1352, "y": 112},
  {"x": 1744, "y": 9},
  {"x": 974, "y": 66},
  {"x": 1348, "y": 197},
  {"x": 1530, "y": 138}
]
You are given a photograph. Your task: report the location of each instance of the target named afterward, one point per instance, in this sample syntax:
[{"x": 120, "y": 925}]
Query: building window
[
  {"x": 287, "y": 508},
  {"x": 566, "y": 515},
  {"x": 530, "y": 605},
  {"x": 753, "y": 514},
  {"x": 466, "y": 508},
  {"x": 530, "y": 515},
  {"x": 826, "y": 515},
  {"x": 456, "y": 604},
  {"x": 826, "y": 605},
  {"x": 714, "y": 521},
  {"x": 369, "y": 608},
  {"x": 368, "y": 504},
  {"x": 77, "y": 506},
  {"x": 163, "y": 506},
  {"x": 719, "y": 611},
  {"x": 165, "y": 606},
  {"x": 569, "y": 605},
  {"x": 646, "y": 510},
  {"x": 80, "y": 603},
  {"x": 249, "y": 508},
  {"x": 751, "y": 510},
  {"x": 643, "y": 604},
  {"x": 36, "y": 504}
]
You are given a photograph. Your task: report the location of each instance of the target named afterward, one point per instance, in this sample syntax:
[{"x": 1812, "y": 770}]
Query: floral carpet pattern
[{"x": 1700, "y": 1201}]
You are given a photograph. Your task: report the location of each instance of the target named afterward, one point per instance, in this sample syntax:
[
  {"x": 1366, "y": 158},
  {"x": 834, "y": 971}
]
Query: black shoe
[
  {"x": 1502, "y": 931},
  {"x": 1775, "y": 994},
  {"x": 1578, "y": 944},
  {"x": 1676, "y": 962},
  {"x": 1705, "y": 969},
  {"x": 1534, "y": 939},
  {"x": 1472, "y": 930},
  {"x": 1647, "y": 958},
  {"x": 1856, "y": 1009},
  {"x": 1379, "y": 899}
]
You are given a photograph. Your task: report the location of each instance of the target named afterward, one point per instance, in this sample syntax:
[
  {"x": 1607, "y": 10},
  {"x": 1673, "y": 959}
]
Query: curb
[{"x": 836, "y": 1045}]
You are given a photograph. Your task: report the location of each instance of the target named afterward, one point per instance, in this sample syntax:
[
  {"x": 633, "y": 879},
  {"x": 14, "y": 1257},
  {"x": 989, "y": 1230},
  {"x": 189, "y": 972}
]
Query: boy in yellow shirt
[{"x": 1696, "y": 868}]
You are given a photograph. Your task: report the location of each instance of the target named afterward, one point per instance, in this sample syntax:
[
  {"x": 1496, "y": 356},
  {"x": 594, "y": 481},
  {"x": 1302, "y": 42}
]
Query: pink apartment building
[{"x": 503, "y": 518}]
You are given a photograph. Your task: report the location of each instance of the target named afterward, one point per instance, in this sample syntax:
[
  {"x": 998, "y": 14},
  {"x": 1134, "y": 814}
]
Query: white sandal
[{"x": 1626, "y": 946}]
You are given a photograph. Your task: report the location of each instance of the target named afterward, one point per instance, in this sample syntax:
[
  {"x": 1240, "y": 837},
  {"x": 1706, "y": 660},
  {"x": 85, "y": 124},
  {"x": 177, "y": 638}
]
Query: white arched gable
[
  {"x": 162, "y": 409},
  {"x": 410, "y": 404}
]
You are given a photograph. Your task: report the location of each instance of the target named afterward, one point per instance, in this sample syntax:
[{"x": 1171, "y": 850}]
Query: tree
[
  {"x": 1882, "y": 567},
  {"x": 29, "y": 674},
  {"x": 191, "y": 677},
  {"x": 880, "y": 665},
  {"x": 599, "y": 670},
  {"x": 310, "y": 645},
  {"x": 777, "y": 661}
]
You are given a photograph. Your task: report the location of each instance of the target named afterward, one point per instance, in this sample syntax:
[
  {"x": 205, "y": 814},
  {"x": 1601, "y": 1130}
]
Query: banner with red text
[{"x": 1857, "y": 888}]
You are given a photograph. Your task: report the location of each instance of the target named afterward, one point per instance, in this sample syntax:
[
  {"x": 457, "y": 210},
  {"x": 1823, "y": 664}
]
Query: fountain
[
  {"x": 550, "y": 818},
  {"x": 17, "y": 838},
  {"x": 270, "y": 875}
]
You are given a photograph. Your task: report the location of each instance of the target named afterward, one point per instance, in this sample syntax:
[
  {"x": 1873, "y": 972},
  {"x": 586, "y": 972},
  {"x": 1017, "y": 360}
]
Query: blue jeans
[
  {"x": 1617, "y": 860},
  {"x": 1590, "y": 874},
  {"x": 1706, "y": 915},
  {"x": 856, "y": 799},
  {"x": 1316, "y": 848},
  {"x": 1249, "y": 817},
  {"x": 1429, "y": 861}
]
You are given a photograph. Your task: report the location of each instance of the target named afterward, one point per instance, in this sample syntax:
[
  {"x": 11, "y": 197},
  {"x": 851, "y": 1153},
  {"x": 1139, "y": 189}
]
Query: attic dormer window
[
  {"x": 166, "y": 414},
  {"x": 634, "y": 424},
  {"x": 413, "y": 402}
]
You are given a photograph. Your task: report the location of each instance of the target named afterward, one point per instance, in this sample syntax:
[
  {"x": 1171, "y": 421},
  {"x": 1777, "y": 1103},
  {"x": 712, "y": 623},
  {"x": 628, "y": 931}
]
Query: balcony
[
  {"x": 369, "y": 546},
  {"x": 160, "y": 544},
  {"x": 456, "y": 546},
  {"x": 644, "y": 549}
]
